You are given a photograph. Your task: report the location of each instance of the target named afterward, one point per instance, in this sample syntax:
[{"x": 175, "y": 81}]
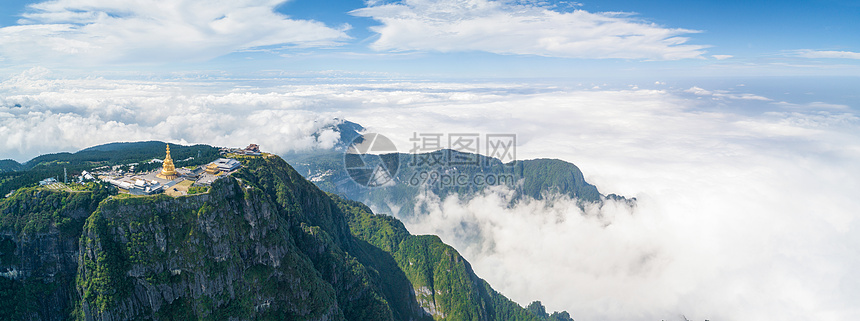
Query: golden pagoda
[{"x": 167, "y": 169}]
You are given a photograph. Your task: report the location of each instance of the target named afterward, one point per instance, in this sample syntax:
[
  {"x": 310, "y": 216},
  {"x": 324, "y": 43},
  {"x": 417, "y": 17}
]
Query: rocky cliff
[{"x": 39, "y": 232}]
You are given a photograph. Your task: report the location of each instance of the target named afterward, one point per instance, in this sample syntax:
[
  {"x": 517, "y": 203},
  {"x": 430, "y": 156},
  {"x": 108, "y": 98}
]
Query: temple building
[
  {"x": 212, "y": 169},
  {"x": 167, "y": 169},
  {"x": 251, "y": 150}
]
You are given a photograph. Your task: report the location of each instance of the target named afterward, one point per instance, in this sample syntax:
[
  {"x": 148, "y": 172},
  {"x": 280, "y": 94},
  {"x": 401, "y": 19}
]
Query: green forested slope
[
  {"x": 443, "y": 281},
  {"x": 8, "y": 165}
]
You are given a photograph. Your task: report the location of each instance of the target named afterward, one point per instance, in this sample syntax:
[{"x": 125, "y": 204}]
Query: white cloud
[
  {"x": 809, "y": 53},
  {"x": 724, "y": 94},
  {"x": 699, "y": 91},
  {"x": 39, "y": 115},
  {"x": 506, "y": 27},
  {"x": 743, "y": 96},
  {"x": 816, "y": 105},
  {"x": 105, "y": 31},
  {"x": 740, "y": 215},
  {"x": 721, "y": 57}
]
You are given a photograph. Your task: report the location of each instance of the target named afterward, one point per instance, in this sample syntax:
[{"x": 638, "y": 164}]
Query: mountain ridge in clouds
[{"x": 533, "y": 178}]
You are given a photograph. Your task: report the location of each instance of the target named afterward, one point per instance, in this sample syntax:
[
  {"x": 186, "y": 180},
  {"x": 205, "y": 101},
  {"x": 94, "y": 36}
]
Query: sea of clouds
[{"x": 741, "y": 215}]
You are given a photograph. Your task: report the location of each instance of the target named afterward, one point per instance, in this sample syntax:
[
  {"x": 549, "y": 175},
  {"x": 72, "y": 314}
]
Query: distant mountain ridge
[
  {"x": 536, "y": 179},
  {"x": 123, "y": 146},
  {"x": 10, "y": 165}
]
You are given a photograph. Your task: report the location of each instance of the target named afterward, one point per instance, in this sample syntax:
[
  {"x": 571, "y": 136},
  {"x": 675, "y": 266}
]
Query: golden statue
[{"x": 167, "y": 169}]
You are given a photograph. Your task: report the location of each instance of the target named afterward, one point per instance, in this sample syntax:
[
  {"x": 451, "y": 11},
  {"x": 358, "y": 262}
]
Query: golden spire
[{"x": 168, "y": 171}]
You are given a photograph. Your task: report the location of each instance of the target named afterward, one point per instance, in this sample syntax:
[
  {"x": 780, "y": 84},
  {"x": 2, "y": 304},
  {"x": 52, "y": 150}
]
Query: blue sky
[
  {"x": 452, "y": 38},
  {"x": 750, "y": 28}
]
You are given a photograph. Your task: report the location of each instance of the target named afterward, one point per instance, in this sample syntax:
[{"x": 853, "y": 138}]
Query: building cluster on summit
[{"x": 176, "y": 181}]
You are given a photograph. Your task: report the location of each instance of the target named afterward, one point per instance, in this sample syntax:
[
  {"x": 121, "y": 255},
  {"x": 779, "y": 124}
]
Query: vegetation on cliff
[
  {"x": 39, "y": 232},
  {"x": 444, "y": 283}
]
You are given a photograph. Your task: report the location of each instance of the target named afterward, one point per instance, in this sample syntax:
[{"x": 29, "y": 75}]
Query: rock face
[
  {"x": 225, "y": 255},
  {"x": 39, "y": 233},
  {"x": 262, "y": 244}
]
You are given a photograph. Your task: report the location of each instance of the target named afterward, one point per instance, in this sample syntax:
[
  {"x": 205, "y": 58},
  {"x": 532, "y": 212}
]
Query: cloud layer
[
  {"x": 809, "y": 53},
  {"x": 105, "y": 31},
  {"x": 740, "y": 215},
  {"x": 523, "y": 28},
  {"x": 42, "y": 115}
]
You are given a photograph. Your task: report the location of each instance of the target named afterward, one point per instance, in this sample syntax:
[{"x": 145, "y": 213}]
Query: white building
[
  {"x": 137, "y": 185},
  {"x": 227, "y": 164}
]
